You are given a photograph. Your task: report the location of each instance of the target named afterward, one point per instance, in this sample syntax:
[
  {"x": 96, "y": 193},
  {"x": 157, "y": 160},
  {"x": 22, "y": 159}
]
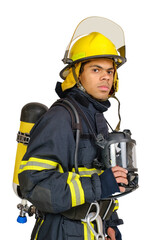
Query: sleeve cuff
[
  {"x": 92, "y": 188},
  {"x": 109, "y": 185}
]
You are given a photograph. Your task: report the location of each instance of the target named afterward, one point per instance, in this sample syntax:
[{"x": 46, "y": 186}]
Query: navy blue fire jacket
[{"x": 47, "y": 174}]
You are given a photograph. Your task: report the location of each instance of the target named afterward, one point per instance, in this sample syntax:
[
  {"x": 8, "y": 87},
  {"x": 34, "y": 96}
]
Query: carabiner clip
[
  {"x": 94, "y": 216},
  {"x": 98, "y": 235}
]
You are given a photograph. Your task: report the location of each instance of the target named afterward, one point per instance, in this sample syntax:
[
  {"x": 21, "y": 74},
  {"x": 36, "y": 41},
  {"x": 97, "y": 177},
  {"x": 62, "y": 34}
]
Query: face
[{"x": 97, "y": 78}]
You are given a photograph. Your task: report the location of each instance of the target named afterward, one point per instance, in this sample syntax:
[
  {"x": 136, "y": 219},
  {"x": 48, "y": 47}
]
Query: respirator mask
[{"x": 119, "y": 149}]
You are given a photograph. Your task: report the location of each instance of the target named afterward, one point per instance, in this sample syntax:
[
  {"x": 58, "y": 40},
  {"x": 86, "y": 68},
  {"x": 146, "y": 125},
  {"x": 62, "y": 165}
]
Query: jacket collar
[{"x": 83, "y": 98}]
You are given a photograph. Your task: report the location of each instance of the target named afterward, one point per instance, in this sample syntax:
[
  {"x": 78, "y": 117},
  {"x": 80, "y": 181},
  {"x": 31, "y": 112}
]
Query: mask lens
[{"x": 123, "y": 154}]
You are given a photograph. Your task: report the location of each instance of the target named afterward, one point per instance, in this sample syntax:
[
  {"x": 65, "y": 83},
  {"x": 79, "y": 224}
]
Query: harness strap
[
  {"x": 80, "y": 212},
  {"x": 62, "y": 102},
  {"x": 75, "y": 125},
  {"x": 79, "y": 110},
  {"x": 70, "y": 107}
]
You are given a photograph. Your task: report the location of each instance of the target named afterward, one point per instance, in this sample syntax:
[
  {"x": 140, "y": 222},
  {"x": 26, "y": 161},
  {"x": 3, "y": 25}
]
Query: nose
[{"x": 105, "y": 75}]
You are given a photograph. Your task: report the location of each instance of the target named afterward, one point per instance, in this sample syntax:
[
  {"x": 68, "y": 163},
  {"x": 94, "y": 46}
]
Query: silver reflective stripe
[
  {"x": 42, "y": 165},
  {"x": 83, "y": 171},
  {"x": 90, "y": 172},
  {"x": 38, "y": 164},
  {"x": 76, "y": 188},
  {"x": 77, "y": 192}
]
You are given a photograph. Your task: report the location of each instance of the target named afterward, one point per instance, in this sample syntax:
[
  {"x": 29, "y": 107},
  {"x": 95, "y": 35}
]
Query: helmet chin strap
[{"x": 79, "y": 85}]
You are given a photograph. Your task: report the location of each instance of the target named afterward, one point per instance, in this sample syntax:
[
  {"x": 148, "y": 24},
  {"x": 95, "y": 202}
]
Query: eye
[
  {"x": 110, "y": 72},
  {"x": 96, "y": 70}
]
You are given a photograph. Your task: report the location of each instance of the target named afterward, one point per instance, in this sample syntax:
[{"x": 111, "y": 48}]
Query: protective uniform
[
  {"x": 47, "y": 173},
  {"x": 47, "y": 177}
]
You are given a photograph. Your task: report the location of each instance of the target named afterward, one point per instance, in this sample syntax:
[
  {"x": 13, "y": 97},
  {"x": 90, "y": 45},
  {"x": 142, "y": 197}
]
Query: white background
[{"x": 33, "y": 38}]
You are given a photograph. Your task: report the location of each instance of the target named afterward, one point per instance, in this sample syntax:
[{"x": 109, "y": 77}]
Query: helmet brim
[{"x": 119, "y": 61}]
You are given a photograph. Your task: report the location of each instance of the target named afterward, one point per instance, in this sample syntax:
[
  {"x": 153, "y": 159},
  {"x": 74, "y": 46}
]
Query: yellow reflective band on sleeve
[
  {"x": 88, "y": 234},
  {"x": 88, "y": 172},
  {"x": 38, "y": 164},
  {"x": 77, "y": 192},
  {"x": 116, "y": 205}
]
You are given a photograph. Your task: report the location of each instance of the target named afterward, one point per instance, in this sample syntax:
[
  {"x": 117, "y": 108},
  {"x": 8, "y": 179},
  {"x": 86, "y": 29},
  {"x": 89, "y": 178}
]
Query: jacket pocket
[
  {"x": 73, "y": 230},
  {"x": 86, "y": 153}
]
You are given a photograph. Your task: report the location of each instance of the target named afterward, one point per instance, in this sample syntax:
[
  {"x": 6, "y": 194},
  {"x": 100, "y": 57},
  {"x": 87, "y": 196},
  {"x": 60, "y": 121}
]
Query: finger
[
  {"x": 122, "y": 180},
  {"x": 118, "y": 168},
  {"x": 122, "y": 189},
  {"x": 120, "y": 174},
  {"x": 111, "y": 233},
  {"x": 108, "y": 237}
]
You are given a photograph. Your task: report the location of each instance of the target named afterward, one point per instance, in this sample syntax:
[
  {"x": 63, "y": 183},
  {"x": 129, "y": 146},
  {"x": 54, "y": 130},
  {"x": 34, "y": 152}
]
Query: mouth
[{"x": 104, "y": 88}]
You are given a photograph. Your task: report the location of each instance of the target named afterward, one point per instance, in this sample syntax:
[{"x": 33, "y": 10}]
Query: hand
[
  {"x": 120, "y": 175},
  {"x": 111, "y": 234}
]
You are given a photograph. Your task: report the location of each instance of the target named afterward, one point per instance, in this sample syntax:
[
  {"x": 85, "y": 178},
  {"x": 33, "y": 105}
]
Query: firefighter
[{"x": 47, "y": 175}]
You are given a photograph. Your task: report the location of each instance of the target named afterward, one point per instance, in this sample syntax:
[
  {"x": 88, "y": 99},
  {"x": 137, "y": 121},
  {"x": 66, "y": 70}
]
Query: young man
[{"x": 48, "y": 178}]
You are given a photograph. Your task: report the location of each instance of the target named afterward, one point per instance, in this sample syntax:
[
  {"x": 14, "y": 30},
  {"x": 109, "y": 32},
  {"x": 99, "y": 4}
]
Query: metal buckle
[
  {"x": 90, "y": 209},
  {"x": 90, "y": 218},
  {"x": 23, "y": 138}
]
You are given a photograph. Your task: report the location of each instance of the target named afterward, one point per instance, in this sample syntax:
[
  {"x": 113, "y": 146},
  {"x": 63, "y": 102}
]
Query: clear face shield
[
  {"x": 122, "y": 154},
  {"x": 119, "y": 149},
  {"x": 102, "y": 25}
]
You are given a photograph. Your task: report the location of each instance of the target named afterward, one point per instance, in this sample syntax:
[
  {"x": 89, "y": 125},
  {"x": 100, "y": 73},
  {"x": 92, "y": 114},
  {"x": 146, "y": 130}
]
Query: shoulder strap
[
  {"x": 80, "y": 111},
  {"x": 74, "y": 110},
  {"x": 76, "y": 124}
]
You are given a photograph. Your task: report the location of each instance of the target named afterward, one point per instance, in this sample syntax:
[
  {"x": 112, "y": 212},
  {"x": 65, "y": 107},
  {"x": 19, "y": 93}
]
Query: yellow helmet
[{"x": 94, "y": 45}]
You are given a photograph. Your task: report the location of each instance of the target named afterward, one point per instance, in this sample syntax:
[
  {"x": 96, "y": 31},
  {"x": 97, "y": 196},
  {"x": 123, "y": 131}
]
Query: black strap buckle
[{"x": 23, "y": 138}]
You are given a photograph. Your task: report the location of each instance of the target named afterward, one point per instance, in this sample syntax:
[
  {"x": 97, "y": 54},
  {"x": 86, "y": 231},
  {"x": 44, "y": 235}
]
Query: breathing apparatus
[{"x": 30, "y": 113}]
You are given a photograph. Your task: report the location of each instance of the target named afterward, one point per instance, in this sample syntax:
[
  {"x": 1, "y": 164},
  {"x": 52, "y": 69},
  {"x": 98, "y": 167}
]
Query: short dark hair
[{"x": 82, "y": 67}]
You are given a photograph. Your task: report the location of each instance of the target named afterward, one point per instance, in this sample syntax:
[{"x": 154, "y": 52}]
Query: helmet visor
[{"x": 104, "y": 26}]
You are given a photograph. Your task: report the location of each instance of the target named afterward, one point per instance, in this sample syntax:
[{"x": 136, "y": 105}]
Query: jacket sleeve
[{"x": 45, "y": 175}]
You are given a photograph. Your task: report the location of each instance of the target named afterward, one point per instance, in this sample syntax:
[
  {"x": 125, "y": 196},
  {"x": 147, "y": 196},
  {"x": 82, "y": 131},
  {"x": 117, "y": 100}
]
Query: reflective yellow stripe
[
  {"x": 88, "y": 172},
  {"x": 116, "y": 205},
  {"x": 88, "y": 234},
  {"x": 39, "y": 165},
  {"x": 77, "y": 192},
  {"x": 38, "y": 229}
]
